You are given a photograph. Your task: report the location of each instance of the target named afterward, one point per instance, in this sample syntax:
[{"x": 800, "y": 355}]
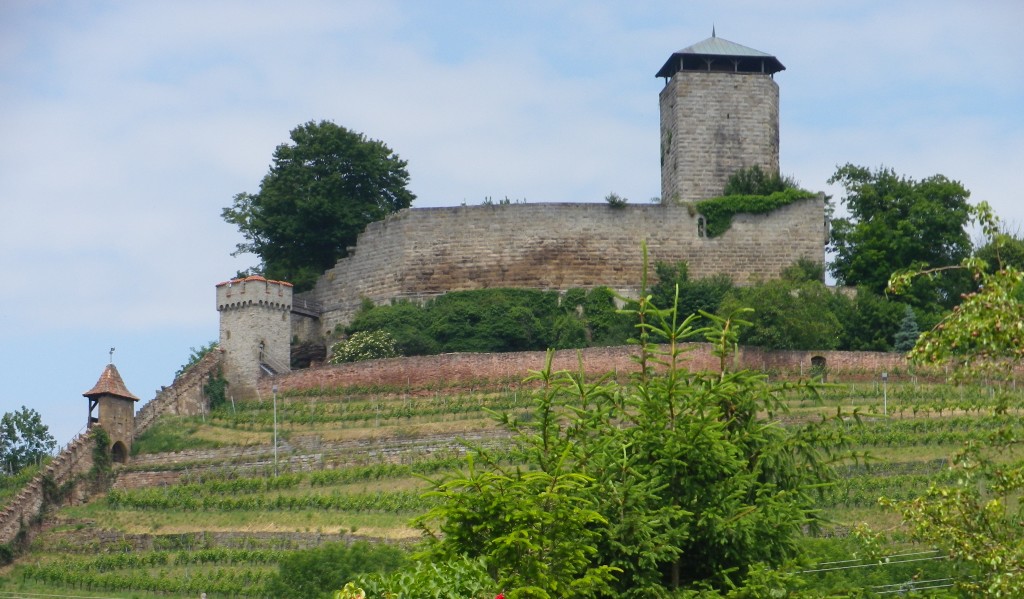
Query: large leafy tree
[
  {"x": 978, "y": 519},
  {"x": 323, "y": 188},
  {"x": 24, "y": 439},
  {"x": 895, "y": 223}
]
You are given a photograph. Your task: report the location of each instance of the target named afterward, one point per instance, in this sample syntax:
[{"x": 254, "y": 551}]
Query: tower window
[{"x": 700, "y": 226}]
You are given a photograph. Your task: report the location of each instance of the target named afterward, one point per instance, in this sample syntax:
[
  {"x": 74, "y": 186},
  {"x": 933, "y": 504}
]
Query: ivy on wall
[{"x": 718, "y": 212}]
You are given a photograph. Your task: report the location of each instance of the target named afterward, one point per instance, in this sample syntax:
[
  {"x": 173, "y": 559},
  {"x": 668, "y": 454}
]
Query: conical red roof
[{"x": 110, "y": 383}]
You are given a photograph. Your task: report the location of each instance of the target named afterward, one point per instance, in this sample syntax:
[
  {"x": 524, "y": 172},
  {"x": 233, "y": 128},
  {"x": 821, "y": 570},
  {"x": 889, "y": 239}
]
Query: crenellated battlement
[
  {"x": 254, "y": 291},
  {"x": 255, "y": 329}
]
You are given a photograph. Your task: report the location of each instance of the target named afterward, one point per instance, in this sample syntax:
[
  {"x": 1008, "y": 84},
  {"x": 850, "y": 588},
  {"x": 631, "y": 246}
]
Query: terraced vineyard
[{"x": 208, "y": 505}]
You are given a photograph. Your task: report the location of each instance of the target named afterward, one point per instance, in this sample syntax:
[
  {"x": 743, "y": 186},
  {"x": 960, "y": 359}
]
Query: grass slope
[{"x": 204, "y": 506}]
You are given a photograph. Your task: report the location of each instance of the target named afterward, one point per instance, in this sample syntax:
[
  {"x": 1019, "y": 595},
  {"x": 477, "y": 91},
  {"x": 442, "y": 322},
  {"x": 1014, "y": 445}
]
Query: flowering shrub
[{"x": 364, "y": 345}]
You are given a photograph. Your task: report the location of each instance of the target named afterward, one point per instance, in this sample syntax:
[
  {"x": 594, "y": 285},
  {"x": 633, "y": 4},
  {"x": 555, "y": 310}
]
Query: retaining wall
[{"x": 466, "y": 368}]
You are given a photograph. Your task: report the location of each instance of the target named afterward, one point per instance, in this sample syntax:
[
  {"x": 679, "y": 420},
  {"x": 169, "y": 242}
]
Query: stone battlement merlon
[{"x": 254, "y": 291}]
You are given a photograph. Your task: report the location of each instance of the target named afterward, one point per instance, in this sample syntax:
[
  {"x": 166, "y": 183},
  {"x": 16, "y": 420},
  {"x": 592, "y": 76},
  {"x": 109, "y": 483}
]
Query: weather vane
[{"x": 112, "y": 355}]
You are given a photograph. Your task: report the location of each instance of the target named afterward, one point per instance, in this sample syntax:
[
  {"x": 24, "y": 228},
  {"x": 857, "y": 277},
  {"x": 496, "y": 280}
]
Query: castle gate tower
[
  {"x": 116, "y": 412},
  {"x": 255, "y": 330},
  {"x": 719, "y": 114}
]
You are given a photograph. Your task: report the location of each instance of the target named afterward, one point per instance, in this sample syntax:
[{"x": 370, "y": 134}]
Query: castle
[{"x": 719, "y": 114}]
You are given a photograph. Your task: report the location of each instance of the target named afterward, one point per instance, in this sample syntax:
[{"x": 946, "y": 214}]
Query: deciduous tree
[
  {"x": 895, "y": 223},
  {"x": 322, "y": 190},
  {"x": 24, "y": 439}
]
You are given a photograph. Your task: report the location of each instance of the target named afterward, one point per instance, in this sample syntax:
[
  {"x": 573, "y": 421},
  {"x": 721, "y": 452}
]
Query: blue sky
[{"x": 128, "y": 126}]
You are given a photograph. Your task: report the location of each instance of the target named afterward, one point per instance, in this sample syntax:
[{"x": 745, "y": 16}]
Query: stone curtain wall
[
  {"x": 24, "y": 508},
  {"x": 185, "y": 395},
  {"x": 465, "y": 369},
  {"x": 712, "y": 125},
  {"x": 421, "y": 253}
]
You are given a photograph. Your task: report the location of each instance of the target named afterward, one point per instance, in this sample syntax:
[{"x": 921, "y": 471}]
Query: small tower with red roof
[
  {"x": 115, "y": 412},
  {"x": 255, "y": 330}
]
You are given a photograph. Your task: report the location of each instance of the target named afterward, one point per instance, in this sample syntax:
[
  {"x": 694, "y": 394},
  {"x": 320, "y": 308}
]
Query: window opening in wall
[{"x": 700, "y": 226}]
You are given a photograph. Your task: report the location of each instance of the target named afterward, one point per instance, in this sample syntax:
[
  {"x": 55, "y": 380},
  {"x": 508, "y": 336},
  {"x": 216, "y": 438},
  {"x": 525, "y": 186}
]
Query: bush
[
  {"x": 320, "y": 571},
  {"x": 364, "y": 345}
]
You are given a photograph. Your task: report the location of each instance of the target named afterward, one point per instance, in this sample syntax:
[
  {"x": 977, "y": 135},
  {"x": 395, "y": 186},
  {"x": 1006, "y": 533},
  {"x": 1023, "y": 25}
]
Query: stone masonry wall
[
  {"x": 425, "y": 252},
  {"x": 185, "y": 395},
  {"x": 712, "y": 125},
  {"x": 24, "y": 509},
  {"x": 467, "y": 369}
]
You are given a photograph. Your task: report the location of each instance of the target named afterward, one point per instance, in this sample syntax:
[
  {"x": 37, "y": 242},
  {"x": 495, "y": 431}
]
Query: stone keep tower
[
  {"x": 116, "y": 413},
  {"x": 719, "y": 113},
  {"x": 255, "y": 330}
]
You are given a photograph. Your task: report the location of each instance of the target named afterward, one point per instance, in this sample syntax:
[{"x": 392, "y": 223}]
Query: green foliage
[
  {"x": 803, "y": 271},
  {"x": 975, "y": 519},
  {"x": 364, "y": 345},
  {"x": 691, "y": 297},
  {"x": 754, "y": 181},
  {"x": 321, "y": 191},
  {"x": 492, "y": 320},
  {"x": 195, "y": 355},
  {"x": 498, "y": 320},
  {"x": 906, "y": 337},
  {"x": 169, "y": 434},
  {"x": 458, "y": 578},
  {"x": 1002, "y": 250},
  {"x": 868, "y": 319},
  {"x": 615, "y": 200},
  {"x": 896, "y": 223},
  {"x": 216, "y": 389},
  {"x": 675, "y": 482},
  {"x": 789, "y": 315},
  {"x": 318, "y": 572},
  {"x": 404, "y": 320},
  {"x": 984, "y": 334},
  {"x": 718, "y": 212},
  {"x": 24, "y": 440},
  {"x": 102, "y": 461}
]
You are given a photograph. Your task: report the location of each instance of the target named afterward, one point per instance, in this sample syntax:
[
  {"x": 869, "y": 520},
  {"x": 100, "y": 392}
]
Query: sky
[{"x": 126, "y": 127}]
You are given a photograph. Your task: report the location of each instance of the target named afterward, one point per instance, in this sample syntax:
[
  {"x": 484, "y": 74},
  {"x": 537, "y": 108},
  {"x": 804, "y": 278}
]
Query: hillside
[{"x": 204, "y": 504}]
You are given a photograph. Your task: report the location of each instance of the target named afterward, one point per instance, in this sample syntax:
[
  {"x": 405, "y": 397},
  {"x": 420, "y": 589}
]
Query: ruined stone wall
[
  {"x": 23, "y": 511},
  {"x": 421, "y": 253},
  {"x": 185, "y": 395},
  {"x": 712, "y": 125}
]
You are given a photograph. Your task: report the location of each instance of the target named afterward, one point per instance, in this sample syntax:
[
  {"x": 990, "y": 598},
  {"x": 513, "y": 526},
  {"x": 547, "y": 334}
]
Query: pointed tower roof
[
  {"x": 110, "y": 383},
  {"x": 719, "y": 54}
]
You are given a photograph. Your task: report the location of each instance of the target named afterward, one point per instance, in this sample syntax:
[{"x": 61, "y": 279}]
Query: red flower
[{"x": 500, "y": 596}]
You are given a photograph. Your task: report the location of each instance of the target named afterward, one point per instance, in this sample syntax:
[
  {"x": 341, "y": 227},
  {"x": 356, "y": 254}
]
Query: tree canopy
[
  {"x": 24, "y": 439},
  {"x": 976, "y": 520},
  {"x": 322, "y": 190},
  {"x": 676, "y": 483},
  {"x": 895, "y": 223}
]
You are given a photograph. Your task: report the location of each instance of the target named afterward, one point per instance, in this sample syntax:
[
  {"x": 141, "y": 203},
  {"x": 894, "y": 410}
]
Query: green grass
[{"x": 382, "y": 432}]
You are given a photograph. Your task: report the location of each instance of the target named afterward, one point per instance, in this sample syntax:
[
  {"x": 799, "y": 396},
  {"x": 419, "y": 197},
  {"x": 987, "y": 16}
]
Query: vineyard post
[
  {"x": 885, "y": 394},
  {"x": 274, "y": 388}
]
